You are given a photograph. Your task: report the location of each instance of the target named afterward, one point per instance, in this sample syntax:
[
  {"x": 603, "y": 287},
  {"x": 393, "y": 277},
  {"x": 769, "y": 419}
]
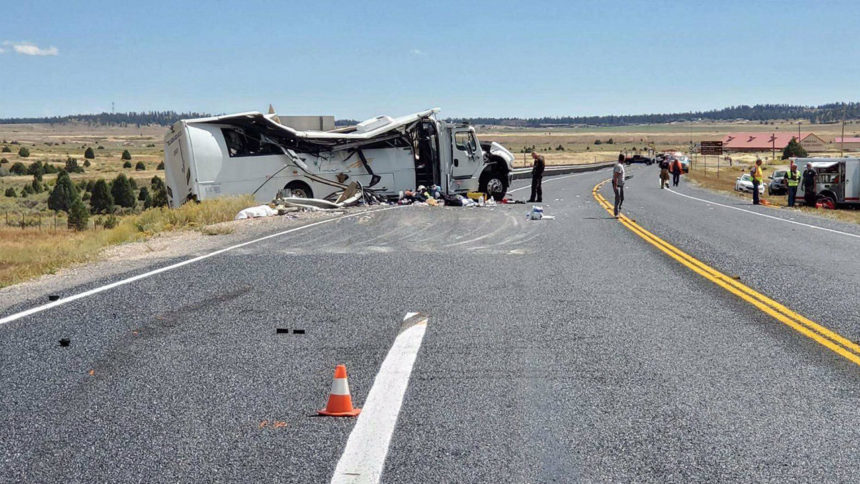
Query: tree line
[
  {"x": 825, "y": 113},
  {"x": 160, "y": 118}
]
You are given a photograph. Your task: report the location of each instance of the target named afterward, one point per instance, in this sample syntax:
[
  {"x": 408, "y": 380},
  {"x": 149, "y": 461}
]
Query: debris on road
[
  {"x": 65, "y": 342},
  {"x": 536, "y": 213},
  {"x": 53, "y": 297}
]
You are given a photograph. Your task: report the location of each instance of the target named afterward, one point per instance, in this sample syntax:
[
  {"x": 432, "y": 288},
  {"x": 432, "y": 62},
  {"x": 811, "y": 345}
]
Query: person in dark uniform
[
  {"x": 537, "y": 178},
  {"x": 809, "y": 194}
]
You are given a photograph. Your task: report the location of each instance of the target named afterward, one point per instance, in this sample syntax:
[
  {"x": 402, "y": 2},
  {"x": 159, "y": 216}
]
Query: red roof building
[
  {"x": 769, "y": 141},
  {"x": 851, "y": 143}
]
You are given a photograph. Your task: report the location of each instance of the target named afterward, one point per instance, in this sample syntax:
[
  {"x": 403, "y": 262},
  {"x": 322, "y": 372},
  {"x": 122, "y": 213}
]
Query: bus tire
[{"x": 300, "y": 189}]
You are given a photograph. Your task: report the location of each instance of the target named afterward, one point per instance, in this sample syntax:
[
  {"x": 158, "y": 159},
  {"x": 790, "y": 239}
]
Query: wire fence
[{"x": 41, "y": 221}]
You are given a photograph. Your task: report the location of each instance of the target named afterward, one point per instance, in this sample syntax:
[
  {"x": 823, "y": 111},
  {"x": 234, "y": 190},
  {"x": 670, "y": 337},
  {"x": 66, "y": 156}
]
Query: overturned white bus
[{"x": 253, "y": 153}]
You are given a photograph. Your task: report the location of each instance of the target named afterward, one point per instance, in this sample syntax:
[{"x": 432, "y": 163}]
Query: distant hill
[{"x": 825, "y": 113}]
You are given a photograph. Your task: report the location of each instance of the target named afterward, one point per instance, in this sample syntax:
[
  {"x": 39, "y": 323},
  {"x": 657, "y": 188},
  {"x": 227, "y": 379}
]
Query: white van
[
  {"x": 837, "y": 180},
  {"x": 252, "y": 153}
]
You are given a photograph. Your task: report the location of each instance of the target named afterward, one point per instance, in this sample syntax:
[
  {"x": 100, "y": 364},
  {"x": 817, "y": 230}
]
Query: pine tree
[
  {"x": 121, "y": 191},
  {"x": 89, "y": 153},
  {"x": 24, "y": 152},
  {"x": 126, "y": 155},
  {"x": 18, "y": 168},
  {"x": 36, "y": 184},
  {"x": 10, "y": 192},
  {"x": 159, "y": 192},
  {"x": 794, "y": 149},
  {"x": 78, "y": 215},
  {"x": 64, "y": 193},
  {"x": 145, "y": 197},
  {"x": 101, "y": 199},
  {"x": 140, "y": 166}
]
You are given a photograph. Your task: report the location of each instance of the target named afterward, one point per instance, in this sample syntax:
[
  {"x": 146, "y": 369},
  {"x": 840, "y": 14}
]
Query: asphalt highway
[{"x": 555, "y": 351}]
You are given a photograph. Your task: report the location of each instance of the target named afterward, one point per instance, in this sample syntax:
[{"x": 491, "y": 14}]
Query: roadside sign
[{"x": 712, "y": 148}]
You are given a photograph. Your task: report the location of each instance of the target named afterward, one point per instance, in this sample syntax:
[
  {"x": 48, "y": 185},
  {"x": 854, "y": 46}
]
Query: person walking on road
[
  {"x": 618, "y": 183},
  {"x": 757, "y": 176},
  {"x": 676, "y": 172},
  {"x": 537, "y": 178},
  {"x": 809, "y": 194},
  {"x": 664, "y": 174},
  {"x": 792, "y": 178}
]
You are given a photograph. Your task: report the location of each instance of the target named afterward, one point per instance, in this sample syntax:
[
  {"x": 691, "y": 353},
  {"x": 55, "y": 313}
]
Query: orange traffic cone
[{"x": 339, "y": 400}]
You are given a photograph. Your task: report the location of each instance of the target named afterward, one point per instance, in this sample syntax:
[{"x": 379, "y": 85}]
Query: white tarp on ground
[{"x": 255, "y": 212}]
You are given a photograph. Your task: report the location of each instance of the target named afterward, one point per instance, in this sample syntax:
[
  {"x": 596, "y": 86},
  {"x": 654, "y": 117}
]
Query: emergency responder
[
  {"x": 537, "y": 178},
  {"x": 809, "y": 194},
  {"x": 792, "y": 178},
  {"x": 757, "y": 177}
]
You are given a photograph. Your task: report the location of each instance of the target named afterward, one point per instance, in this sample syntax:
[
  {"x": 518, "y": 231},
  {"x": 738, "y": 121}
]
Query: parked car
[
  {"x": 639, "y": 159},
  {"x": 685, "y": 163},
  {"x": 778, "y": 185},
  {"x": 744, "y": 183}
]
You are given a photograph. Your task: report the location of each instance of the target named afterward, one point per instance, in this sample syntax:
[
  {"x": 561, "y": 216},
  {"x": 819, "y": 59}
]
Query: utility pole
[
  {"x": 773, "y": 147},
  {"x": 842, "y": 140}
]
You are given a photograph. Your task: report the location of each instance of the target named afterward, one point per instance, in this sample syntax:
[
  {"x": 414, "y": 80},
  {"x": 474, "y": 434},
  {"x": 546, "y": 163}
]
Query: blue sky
[{"x": 358, "y": 59}]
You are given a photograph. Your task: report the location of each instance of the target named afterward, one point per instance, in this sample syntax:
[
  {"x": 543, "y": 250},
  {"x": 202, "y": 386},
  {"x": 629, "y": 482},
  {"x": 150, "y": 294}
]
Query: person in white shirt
[{"x": 618, "y": 183}]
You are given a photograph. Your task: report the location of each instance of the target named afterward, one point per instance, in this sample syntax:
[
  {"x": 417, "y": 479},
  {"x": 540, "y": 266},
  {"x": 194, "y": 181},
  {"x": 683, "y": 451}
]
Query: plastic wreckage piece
[{"x": 536, "y": 213}]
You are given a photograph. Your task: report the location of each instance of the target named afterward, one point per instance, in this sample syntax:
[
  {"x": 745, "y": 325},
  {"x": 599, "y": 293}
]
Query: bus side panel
[{"x": 177, "y": 174}]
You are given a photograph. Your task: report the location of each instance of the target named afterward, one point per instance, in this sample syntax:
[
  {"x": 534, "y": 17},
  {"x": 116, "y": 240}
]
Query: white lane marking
[
  {"x": 75, "y": 297},
  {"x": 551, "y": 180},
  {"x": 364, "y": 455},
  {"x": 765, "y": 215}
]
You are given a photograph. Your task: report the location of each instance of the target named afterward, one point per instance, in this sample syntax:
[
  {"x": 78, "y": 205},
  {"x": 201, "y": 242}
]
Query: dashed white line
[
  {"x": 364, "y": 455},
  {"x": 765, "y": 215},
  {"x": 75, "y": 297}
]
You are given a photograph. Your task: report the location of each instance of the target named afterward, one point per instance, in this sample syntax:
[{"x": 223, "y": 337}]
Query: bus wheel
[
  {"x": 300, "y": 189},
  {"x": 494, "y": 185}
]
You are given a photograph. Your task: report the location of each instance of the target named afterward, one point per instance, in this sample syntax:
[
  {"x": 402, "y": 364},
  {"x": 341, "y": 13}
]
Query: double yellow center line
[{"x": 799, "y": 323}]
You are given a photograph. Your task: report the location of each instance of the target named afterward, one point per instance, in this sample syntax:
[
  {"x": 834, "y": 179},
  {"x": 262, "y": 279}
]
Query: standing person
[
  {"x": 537, "y": 178},
  {"x": 757, "y": 177},
  {"x": 664, "y": 173},
  {"x": 618, "y": 183},
  {"x": 792, "y": 178},
  {"x": 676, "y": 172},
  {"x": 809, "y": 194}
]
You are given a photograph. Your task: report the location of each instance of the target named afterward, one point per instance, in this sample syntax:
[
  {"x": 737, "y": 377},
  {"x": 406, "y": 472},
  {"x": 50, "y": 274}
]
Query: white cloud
[
  {"x": 29, "y": 48},
  {"x": 417, "y": 52}
]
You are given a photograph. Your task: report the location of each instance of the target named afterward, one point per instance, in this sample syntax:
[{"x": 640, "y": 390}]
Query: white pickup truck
[{"x": 253, "y": 153}]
